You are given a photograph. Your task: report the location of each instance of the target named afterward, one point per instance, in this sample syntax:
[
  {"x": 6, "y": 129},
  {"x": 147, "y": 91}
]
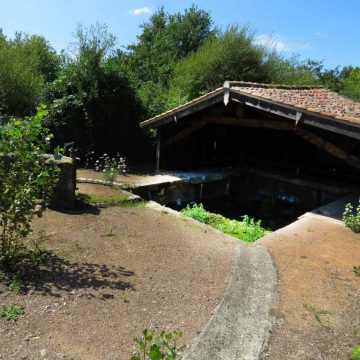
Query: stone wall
[{"x": 64, "y": 194}]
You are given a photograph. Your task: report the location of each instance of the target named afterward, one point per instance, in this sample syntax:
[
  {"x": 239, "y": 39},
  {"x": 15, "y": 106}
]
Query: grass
[
  {"x": 15, "y": 284},
  {"x": 247, "y": 230},
  {"x": 12, "y": 312},
  {"x": 317, "y": 312},
  {"x": 356, "y": 270}
]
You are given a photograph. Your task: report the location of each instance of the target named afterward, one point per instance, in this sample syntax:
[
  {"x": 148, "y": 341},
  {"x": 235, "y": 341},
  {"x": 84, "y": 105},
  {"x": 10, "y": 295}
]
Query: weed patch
[
  {"x": 12, "y": 312},
  {"x": 317, "y": 312},
  {"x": 247, "y": 230}
]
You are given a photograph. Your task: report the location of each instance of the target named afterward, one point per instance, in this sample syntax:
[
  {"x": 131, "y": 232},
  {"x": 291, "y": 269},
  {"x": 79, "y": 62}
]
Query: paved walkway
[{"x": 317, "y": 314}]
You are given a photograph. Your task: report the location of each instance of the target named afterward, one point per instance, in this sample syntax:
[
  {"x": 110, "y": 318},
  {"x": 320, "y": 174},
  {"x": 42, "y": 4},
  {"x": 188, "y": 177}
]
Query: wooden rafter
[{"x": 281, "y": 125}]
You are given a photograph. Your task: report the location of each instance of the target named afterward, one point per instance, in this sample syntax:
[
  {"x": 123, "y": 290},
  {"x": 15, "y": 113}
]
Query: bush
[
  {"x": 27, "y": 180},
  {"x": 156, "y": 347},
  {"x": 247, "y": 230},
  {"x": 352, "y": 219}
]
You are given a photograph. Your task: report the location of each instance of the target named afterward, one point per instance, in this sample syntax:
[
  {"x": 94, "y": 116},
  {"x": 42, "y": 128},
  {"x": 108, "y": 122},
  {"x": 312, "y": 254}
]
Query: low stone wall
[{"x": 64, "y": 193}]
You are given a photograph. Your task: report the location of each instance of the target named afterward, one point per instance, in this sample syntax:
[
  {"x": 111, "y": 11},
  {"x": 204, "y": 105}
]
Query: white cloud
[
  {"x": 139, "y": 11},
  {"x": 320, "y": 34},
  {"x": 279, "y": 44}
]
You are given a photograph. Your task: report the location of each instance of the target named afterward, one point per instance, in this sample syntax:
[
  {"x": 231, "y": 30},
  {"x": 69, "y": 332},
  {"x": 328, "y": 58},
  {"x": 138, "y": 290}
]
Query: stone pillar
[{"x": 64, "y": 193}]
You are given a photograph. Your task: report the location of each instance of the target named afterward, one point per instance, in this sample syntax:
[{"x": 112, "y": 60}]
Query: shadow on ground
[{"x": 55, "y": 276}]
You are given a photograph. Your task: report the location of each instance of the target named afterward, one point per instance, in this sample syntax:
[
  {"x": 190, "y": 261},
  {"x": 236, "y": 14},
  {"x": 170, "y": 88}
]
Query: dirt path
[
  {"x": 319, "y": 293},
  {"x": 111, "y": 275}
]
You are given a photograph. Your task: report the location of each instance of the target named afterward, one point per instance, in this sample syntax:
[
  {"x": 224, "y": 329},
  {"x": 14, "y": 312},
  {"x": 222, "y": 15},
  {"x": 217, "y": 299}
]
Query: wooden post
[{"x": 158, "y": 145}]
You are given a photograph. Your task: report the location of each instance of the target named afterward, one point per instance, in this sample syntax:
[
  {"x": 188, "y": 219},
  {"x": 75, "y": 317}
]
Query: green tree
[
  {"x": 352, "y": 84},
  {"x": 165, "y": 39},
  {"x": 27, "y": 180},
  {"x": 26, "y": 64},
  {"x": 91, "y": 102}
]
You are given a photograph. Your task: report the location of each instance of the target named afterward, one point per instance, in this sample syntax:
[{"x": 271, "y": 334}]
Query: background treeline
[{"x": 97, "y": 93}]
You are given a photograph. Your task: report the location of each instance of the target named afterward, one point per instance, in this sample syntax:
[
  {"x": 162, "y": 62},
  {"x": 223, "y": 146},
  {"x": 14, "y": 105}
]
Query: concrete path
[{"x": 240, "y": 326}]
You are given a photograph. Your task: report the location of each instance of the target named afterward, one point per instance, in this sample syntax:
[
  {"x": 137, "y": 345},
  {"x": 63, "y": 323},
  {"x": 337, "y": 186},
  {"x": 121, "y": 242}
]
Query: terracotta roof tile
[{"x": 314, "y": 99}]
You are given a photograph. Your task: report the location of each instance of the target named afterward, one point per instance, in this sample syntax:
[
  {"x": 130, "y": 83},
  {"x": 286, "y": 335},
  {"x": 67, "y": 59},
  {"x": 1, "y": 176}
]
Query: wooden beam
[
  {"x": 254, "y": 123},
  {"x": 332, "y": 149},
  {"x": 184, "y": 133},
  {"x": 158, "y": 147},
  {"x": 287, "y": 111}
]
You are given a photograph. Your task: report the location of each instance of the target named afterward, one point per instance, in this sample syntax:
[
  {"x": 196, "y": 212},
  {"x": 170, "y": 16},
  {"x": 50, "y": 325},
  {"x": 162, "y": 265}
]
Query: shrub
[
  {"x": 27, "y": 180},
  {"x": 351, "y": 218},
  {"x": 356, "y": 353},
  {"x": 247, "y": 230},
  {"x": 156, "y": 347}
]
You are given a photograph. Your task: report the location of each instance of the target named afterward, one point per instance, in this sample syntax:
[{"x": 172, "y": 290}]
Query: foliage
[
  {"x": 15, "y": 284},
  {"x": 23, "y": 144},
  {"x": 351, "y": 218},
  {"x": 356, "y": 353},
  {"x": 26, "y": 64},
  {"x": 247, "y": 230},
  {"x": 352, "y": 84},
  {"x": 234, "y": 54},
  {"x": 12, "y": 312},
  {"x": 91, "y": 102},
  {"x": 39, "y": 254},
  {"x": 165, "y": 39},
  {"x": 156, "y": 347},
  {"x": 110, "y": 166}
]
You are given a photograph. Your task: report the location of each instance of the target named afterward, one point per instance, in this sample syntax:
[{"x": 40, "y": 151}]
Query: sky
[{"x": 325, "y": 30}]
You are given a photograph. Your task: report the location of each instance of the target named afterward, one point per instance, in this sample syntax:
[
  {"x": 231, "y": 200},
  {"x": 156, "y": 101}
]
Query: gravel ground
[{"x": 111, "y": 275}]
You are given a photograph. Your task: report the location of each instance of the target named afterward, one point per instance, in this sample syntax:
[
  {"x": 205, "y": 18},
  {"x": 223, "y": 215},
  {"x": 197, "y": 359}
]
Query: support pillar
[{"x": 158, "y": 145}]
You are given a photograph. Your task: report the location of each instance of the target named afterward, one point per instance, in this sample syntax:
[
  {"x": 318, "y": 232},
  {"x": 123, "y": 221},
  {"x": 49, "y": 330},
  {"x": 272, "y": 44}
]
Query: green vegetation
[
  {"x": 113, "y": 200},
  {"x": 16, "y": 284},
  {"x": 22, "y": 148},
  {"x": 356, "y": 270},
  {"x": 317, "y": 312},
  {"x": 152, "y": 346},
  {"x": 12, "y": 312},
  {"x": 247, "y": 230},
  {"x": 99, "y": 91},
  {"x": 356, "y": 353},
  {"x": 351, "y": 218}
]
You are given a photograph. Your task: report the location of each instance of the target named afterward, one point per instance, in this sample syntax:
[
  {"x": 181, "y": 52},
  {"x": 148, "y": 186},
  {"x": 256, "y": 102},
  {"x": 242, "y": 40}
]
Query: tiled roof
[{"x": 314, "y": 99}]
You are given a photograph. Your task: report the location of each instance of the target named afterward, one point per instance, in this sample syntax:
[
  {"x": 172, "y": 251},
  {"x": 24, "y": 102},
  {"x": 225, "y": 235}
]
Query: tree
[
  {"x": 91, "y": 102},
  {"x": 27, "y": 180},
  {"x": 26, "y": 63},
  {"x": 352, "y": 84},
  {"x": 165, "y": 39}
]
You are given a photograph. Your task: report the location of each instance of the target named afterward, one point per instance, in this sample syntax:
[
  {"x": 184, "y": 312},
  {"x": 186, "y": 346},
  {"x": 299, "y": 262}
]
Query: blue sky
[{"x": 320, "y": 29}]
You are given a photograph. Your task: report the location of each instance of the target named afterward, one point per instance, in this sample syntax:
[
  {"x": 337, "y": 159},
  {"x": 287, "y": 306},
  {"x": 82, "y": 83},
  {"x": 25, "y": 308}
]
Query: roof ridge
[{"x": 230, "y": 84}]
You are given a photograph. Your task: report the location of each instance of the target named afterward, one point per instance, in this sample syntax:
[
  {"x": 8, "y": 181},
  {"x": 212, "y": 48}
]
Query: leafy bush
[
  {"x": 247, "y": 230},
  {"x": 156, "y": 347},
  {"x": 356, "y": 353},
  {"x": 12, "y": 312},
  {"x": 351, "y": 218},
  {"x": 27, "y": 180}
]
